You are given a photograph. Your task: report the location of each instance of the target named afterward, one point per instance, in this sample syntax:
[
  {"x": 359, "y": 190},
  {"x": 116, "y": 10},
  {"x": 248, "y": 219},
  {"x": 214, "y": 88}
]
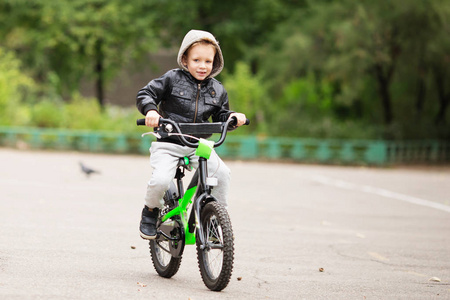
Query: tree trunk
[
  {"x": 420, "y": 96},
  {"x": 384, "y": 72},
  {"x": 443, "y": 97},
  {"x": 99, "y": 71},
  {"x": 383, "y": 81},
  {"x": 421, "y": 87}
]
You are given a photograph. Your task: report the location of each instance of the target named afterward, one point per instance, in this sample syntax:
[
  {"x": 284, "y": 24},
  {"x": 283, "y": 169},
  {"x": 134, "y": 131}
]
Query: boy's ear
[{"x": 184, "y": 60}]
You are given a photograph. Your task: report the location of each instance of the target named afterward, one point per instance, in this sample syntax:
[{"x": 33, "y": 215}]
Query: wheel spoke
[
  {"x": 166, "y": 254},
  {"x": 162, "y": 253},
  {"x": 214, "y": 257}
]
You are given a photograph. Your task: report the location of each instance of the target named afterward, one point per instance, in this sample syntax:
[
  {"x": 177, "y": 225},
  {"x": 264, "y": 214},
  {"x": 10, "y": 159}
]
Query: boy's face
[{"x": 199, "y": 60}]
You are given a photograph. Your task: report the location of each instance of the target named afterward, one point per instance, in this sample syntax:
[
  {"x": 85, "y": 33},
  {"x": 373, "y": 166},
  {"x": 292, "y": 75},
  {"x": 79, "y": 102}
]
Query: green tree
[
  {"x": 247, "y": 94},
  {"x": 374, "y": 63},
  {"x": 64, "y": 41},
  {"x": 439, "y": 57},
  {"x": 14, "y": 86},
  {"x": 364, "y": 49},
  {"x": 239, "y": 26}
]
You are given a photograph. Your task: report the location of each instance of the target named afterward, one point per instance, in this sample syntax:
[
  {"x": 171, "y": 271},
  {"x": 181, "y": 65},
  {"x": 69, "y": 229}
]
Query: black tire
[
  {"x": 216, "y": 263},
  {"x": 165, "y": 264}
]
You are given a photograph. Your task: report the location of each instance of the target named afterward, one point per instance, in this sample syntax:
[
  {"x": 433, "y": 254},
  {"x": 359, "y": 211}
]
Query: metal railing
[{"x": 372, "y": 152}]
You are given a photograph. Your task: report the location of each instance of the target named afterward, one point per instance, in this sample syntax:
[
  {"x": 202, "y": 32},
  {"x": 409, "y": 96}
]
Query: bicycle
[{"x": 207, "y": 224}]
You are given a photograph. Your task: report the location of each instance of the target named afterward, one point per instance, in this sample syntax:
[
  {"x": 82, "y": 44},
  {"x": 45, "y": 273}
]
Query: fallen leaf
[
  {"x": 133, "y": 247},
  {"x": 321, "y": 270},
  {"x": 435, "y": 279},
  {"x": 239, "y": 278},
  {"x": 378, "y": 256}
]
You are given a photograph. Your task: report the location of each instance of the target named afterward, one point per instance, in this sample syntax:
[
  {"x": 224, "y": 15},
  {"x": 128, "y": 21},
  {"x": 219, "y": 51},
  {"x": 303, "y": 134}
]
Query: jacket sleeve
[
  {"x": 224, "y": 112},
  {"x": 149, "y": 97}
]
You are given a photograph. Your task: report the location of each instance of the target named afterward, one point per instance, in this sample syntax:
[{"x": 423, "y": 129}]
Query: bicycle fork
[{"x": 202, "y": 198}]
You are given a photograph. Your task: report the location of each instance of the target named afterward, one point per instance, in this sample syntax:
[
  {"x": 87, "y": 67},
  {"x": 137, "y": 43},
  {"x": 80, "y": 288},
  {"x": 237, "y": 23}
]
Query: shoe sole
[{"x": 147, "y": 237}]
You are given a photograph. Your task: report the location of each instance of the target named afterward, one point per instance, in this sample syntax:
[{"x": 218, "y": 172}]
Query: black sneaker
[{"x": 148, "y": 223}]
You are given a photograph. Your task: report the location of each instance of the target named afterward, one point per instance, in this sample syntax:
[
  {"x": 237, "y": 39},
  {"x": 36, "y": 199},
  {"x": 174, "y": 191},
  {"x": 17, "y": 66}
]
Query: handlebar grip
[
  {"x": 140, "y": 122},
  {"x": 234, "y": 121}
]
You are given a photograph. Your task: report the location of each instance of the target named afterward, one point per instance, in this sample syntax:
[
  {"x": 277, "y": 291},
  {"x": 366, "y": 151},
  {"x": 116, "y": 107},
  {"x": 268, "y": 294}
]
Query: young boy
[{"x": 186, "y": 95}]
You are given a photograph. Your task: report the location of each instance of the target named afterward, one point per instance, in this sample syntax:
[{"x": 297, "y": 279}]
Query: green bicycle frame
[
  {"x": 181, "y": 210},
  {"x": 204, "y": 151}
]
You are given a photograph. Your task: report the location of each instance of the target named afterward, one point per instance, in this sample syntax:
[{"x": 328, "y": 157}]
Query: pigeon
[{"x": 88, "y": 171}]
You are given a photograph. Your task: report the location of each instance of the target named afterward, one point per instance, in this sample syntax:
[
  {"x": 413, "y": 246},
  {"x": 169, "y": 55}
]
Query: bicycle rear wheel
[
  {"x": 165, "y": 264},
  {"x": 216, "y": 259},
  {"x": 166, "y": 254}
]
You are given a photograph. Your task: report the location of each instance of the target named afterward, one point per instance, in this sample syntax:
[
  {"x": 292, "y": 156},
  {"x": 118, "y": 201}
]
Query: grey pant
[{"x": 164, "y": 159}]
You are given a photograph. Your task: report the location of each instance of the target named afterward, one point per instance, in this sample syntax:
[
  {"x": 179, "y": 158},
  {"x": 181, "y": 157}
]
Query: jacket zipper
[{"x": 196, "y": 102}]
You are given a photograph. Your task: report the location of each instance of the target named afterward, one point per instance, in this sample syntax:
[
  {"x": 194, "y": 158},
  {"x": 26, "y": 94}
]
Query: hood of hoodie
[{"x": 194, "y": 36}]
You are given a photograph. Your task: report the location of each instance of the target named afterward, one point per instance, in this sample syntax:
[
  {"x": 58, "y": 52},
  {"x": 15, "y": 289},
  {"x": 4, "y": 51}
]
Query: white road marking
[{"x": 378, "y": 191}]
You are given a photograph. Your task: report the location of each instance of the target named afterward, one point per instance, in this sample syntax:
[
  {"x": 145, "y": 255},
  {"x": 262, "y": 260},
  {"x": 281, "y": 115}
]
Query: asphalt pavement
[{"x": 301, "y": 231}]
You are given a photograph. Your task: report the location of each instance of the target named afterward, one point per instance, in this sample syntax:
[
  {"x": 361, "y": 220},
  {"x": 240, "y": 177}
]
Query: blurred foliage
[
  {"x": 15, "y": 86},
  {"x": 78, "y": 114},
  {"x": 379, "y": 56},
  {"x": 249, "y": 95},
  {"x": 69, "y": 40},
  {"x": 322, "y": 68}
]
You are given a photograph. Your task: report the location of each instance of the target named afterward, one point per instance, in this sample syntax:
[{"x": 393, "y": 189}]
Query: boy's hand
[
  {"x": 241, "y": 118},
  {"x": 152, "y": 118}
]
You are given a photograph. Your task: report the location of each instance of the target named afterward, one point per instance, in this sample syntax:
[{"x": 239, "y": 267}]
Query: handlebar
[
  {"x": 141, "y": 122},
  {"x": 182, "y": 129}
]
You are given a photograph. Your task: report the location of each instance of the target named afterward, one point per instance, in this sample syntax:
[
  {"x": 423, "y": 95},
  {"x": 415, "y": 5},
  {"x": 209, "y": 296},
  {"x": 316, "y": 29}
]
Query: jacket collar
[{"x": 194, "y": 80}]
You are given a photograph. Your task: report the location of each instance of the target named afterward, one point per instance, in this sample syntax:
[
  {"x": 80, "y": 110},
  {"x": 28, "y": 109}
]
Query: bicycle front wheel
[{"x": 216, "y": 259}]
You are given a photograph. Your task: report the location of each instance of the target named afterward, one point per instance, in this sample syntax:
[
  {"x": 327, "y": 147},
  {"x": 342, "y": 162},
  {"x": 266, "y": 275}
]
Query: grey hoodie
[{"x": 194, "y": 36}]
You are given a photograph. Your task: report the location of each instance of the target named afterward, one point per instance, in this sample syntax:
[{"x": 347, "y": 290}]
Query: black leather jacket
[{"x": 178, "y": 96}]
